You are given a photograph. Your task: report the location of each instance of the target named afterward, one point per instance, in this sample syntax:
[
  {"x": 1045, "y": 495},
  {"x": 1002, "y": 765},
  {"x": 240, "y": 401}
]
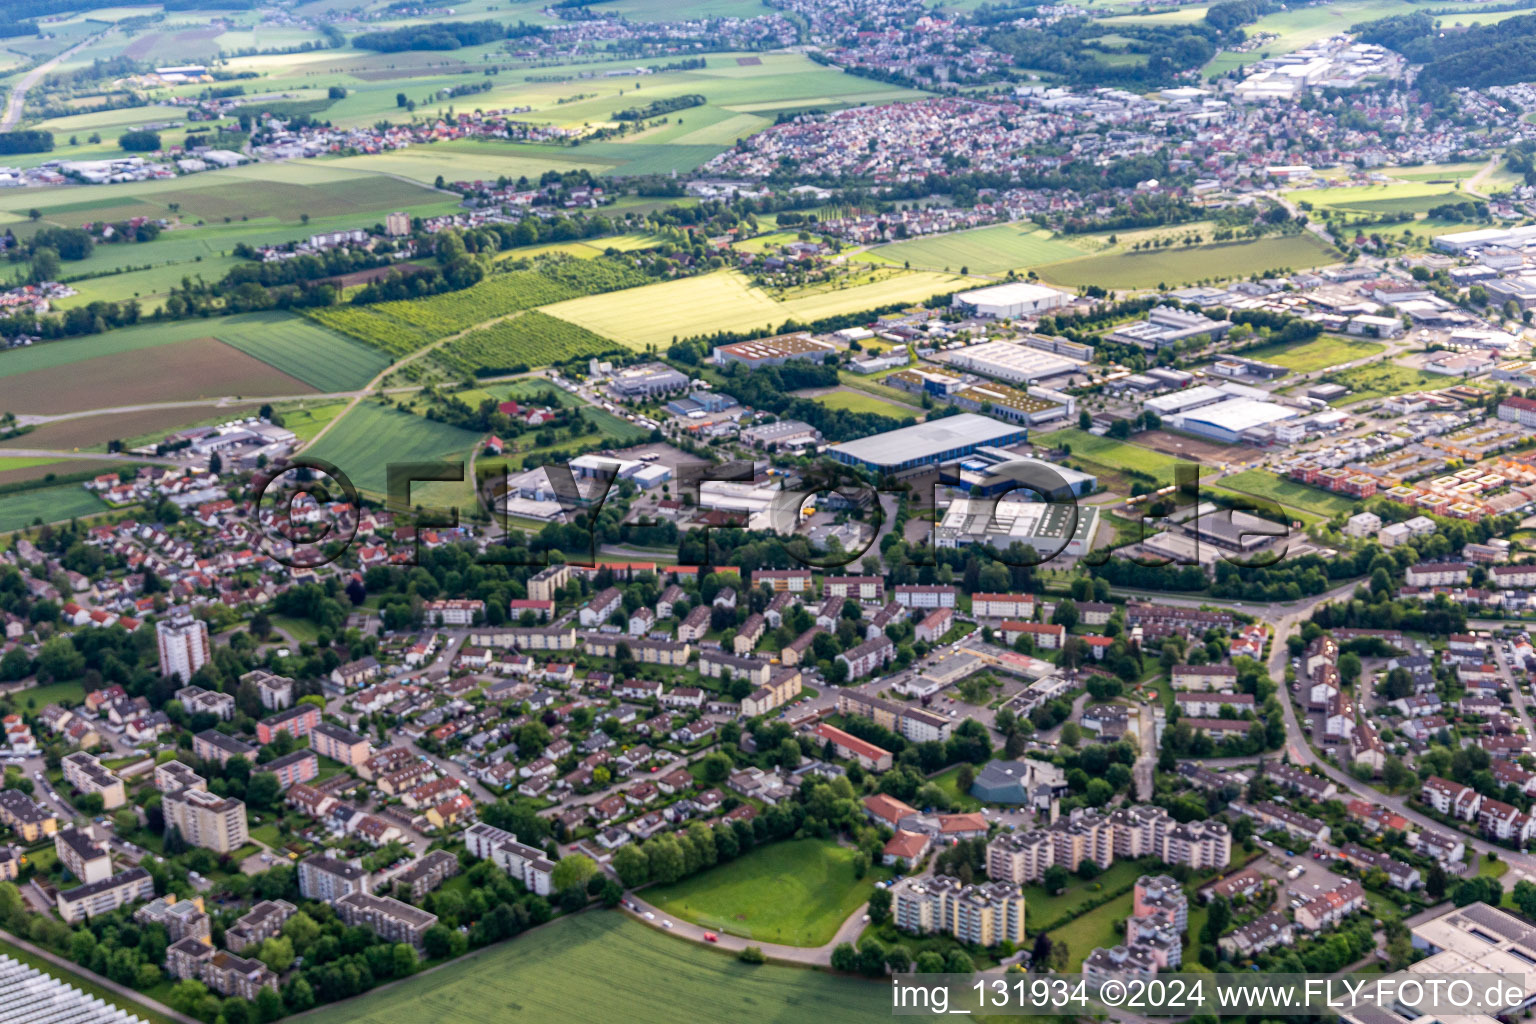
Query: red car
[{"x": 711, "y": 937}]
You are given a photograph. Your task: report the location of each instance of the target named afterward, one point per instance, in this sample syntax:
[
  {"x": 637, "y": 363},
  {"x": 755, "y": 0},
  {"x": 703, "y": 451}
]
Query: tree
[
  {"x": 632, "y": 866},
  {"x": 263, "y": 791},
  {"x": 572, "y": 870},
  {"x": 716, "y": 767},
  {"x": 880, "y": 906},
  {"x": 957, "y": 962},
  {"x": 845, "y": 957},
  {"x": 1041, "y": 954},
  {"x": 929, "y": 962},
  {"x": 1055, "y": 878},
  {"x": 752, "y": 955},
  {"x": 277, "y": 953},
  {"x": 141, "y": 141},
  {"x": 1435, "y": 882}
]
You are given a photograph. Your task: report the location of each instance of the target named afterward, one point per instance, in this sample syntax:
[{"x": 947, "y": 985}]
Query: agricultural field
[
  {"x": 796, "y": 893},
  {"x": 1300, "y": 26},
  {"x": 1396, "y": 197},
  {"x": 1174, "y": 267},
  {"x": 726, "y": 300},
  {"x": 531, "y": 976},
  {"x": 180, "y": 371},
  {"x": 323, "y": 359},
  {"x": 1318, "y": 354},
  {"x": 987, "y": 250},
  {"x": 48, "y": 505},
  {"x": 366, "y": 440},
  {"x": 308, "y": 420},
  {"x": 1264, "y": 484}
]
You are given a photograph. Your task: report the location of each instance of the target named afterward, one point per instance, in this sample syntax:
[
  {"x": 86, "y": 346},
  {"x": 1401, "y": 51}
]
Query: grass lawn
[
  {"x": 796, "y": 893},
  {"x": 622, "y": 964},
  {"x": 1111, "y": 455},
  {"x": 72, "y": 692},
  {"x": 1491, "y": 869},
  {"x": 83, "y": 983},
  {"x": 301, "y": 630},
  {"x": 1101, "y": 926},
  {"x": 1042, "y": 908},
  {"x": 855, "y": 401},
  {"x": 1317, "y": 354},
  {"x": 1264, "y": 484},
  {"x": 948, "y": 782}
]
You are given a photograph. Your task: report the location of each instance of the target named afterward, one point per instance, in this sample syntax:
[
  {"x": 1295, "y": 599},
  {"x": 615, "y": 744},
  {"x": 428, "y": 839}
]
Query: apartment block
[
  {"x": 105, "y": 896},
  {"x": 88, "y": 775},
  {"x": 213, "y": 822},
  {"x": 386, "y": 917},
  {"x": 985, "y": 914},
  {"x": 324, "y": 878}
]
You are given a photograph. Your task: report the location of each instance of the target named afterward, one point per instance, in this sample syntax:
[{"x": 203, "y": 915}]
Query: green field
[
  {"x": 1181, "y": 266},
  {"x": 624, "y": 971},
  {"x": 987, "y": 250},
  {"x": 320, "y": 358},
  {"x": 309, "y": 420},
  {"x": 50, "y": 504},
  {"x": 1317, "y": 354},
  {"x": 855, "y": 401},
  {"x": 1396, "y": 197},
  {"x": 726, "y": 300},
  {"x": 528, "y": 339},
  {"x": 795, "y": 893},
  {"x": 1265, "y": 484},
  {"x": 1110, "y": 454},
  {"x": 370, "y": 437},
  {"x": 1100, "y": 927},
  {"x": 1043, "y": 910},
  {"x": 1383, "y": 380},
  {"x": 70, "y": 692}
]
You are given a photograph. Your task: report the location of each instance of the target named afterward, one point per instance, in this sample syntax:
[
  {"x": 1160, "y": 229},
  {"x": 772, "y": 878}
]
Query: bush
[
  {"x": 752, "y": 955},
  {"x": 142, "y": 141}
]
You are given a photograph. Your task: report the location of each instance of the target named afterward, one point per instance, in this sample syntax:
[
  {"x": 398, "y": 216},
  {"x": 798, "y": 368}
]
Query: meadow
[
  {"x": 987, "y": 250},
  {"x": 796, "y": 893},
  {"x": 1381, "y": 380},
  {"x": 726, "y": 300},
  {"x": 1110, "y": 455},
  {"x": 1264, "y": 484},
  {"x": 1394, "y": 197},
  {"x": 620, "y": 964},
  {"x": 855, "y": 401},
  {"x": 1181, "y": 266},
  {"x": 366, "y": 440},
  {"x": 1318, "y": 354}
]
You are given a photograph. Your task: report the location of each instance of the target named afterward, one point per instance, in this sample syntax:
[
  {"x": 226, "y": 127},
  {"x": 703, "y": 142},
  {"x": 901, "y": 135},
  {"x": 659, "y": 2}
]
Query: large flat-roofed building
[
  {"x": 648, "y": 379},
  {"x": 1229, "y": 421},
  {"x": 994, "y": 471},
  {"x": 1013, "y": 362},
  {"x": 1052, "y": 529},
  {"x": 1169, "y": 325},
  {"x": 1018, "y": 298},
  {"x": 1461, "y": 241},
  {"x": 775, "y": 351},
  {"x": 927, "y": 444}
]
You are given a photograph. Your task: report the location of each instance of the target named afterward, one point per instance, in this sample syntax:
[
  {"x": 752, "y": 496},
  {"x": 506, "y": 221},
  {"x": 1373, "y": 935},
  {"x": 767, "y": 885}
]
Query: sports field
[
  {"x": 986, "y": 250},
  {"x": 1317, "y": 354},
  {"x": 370, "y": 437},
  {"x": 796, "y": 893},
  {"x": 598, "y": 967},
  {"x": 1180, "y": 266},
  {"x": 1265, "y": 484},
  {"x": 726, "y": 300}
]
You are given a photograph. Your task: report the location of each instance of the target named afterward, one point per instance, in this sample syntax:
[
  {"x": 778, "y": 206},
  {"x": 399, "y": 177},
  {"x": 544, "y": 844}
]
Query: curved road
[
  {"x": 18, "y": 98},
  {"x": 811, "y": 956}
]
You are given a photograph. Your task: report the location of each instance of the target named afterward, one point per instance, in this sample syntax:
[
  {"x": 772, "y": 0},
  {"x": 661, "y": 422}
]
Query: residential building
[
  {"x": 213, "y": 822},
  {"x": 86, "y": 901},
  {"x": 88, "y": 775},
  {"x": 322, "y": 877},
  {"x": 386, "y": 917},
  {"x": 183, "y": 643},
  {"x": 985, "y": 914},
  {"x": 340, "y": 744}
]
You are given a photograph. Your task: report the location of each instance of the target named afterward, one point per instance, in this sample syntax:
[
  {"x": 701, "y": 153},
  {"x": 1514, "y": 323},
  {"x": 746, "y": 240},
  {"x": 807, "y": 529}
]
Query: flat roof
[
  {"x": 1239, "y": 414},
  {"x": 1018, "y": 291},
  {"x": 927, "y": 440}
]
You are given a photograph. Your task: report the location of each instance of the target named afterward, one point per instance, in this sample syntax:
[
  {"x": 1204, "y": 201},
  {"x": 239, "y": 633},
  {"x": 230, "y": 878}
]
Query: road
[
  {"x": 810, "y": 956},
  {"x": 53, "y": 453},
  {"x": 18, "y": 98}
]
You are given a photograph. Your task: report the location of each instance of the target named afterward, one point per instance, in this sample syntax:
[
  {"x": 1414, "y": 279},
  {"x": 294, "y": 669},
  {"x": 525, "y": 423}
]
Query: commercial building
[
  {"x": 1016, "y": 299},
  {"x": 1233, "y": 420},
  {"x": 985, "y": 914},
  {"x": 1012, "y": 362},
  {"x": 183, "y": 643},
  {"x": 1169, "y": 325},
  {"x": 927, "y": 444},
  {"x": 1052, "y": 529},
  {"x": 213, "y": 822},
  {"x": 774, "y": 351},
  {"x": 648, "y": 380}
]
